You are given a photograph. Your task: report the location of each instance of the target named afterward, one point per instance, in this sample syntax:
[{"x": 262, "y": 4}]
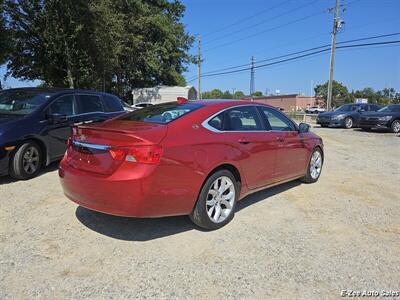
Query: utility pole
[
  {"x": 252, "y": 80},
  {"x": 337, "y": 23},
  {"x": 199, "y": 68}
]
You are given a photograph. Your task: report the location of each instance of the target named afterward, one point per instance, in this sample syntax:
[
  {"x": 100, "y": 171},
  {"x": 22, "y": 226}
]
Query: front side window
[
  {"x": 90, "y": 103},
  {"x": 276, "y": 121},
  {"x": 64, "y": 105},
  {"x": 22, "y": 102},
  {"x": 242, "y": 118},
  {"x": 161, "y": 113}
]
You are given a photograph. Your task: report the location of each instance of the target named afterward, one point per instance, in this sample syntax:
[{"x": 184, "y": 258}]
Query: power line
[
  {"x": 302, "y": 40},
  {"x": 304, "y": 51},
  {"x": 264, "y": 31},
  {"x": 262, "y": 22},
  {"x": 304, "y": 55}
]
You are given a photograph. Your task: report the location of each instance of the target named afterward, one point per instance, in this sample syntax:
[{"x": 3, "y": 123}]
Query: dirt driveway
[{"x": 307, "y": 241}]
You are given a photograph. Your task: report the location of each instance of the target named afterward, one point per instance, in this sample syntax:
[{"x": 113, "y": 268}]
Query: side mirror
[
  {"x": 57, "y": 118},
  {"x": 303, "y": 128}
]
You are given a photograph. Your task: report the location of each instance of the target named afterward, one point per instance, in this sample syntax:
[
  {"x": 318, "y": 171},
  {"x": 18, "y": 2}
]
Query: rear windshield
[{"x": 161, "y": 113}]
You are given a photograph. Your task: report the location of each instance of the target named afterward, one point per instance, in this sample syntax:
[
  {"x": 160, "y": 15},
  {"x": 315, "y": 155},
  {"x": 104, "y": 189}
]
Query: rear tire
[
  {"x": 395, "y": 127},
  {"x": 314, "y": 167},
  {"x": 26, "y": 162},
  {"x": 348, "y": 123},
  {"x": 217, "y": 200}
]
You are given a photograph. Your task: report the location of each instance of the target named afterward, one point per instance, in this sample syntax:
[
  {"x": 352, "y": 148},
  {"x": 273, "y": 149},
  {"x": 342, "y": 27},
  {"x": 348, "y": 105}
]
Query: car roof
[{"x": 226, "y": 102}]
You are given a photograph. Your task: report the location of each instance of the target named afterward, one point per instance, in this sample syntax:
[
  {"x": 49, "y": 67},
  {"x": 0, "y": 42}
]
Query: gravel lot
[{"x": 307, "y": 241}]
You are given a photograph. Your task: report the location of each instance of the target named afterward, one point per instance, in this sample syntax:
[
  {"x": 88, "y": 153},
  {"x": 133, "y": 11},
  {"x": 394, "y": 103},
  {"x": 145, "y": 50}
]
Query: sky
[{"x": 234, "y": 30}]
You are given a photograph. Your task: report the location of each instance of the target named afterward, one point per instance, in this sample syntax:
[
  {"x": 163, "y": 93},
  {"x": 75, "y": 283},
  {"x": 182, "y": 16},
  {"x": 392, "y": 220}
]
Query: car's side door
[
  {"x": 243, "y": 128},
  {"x": 292, "y": 154},
  {"x": 60, "y": 115}
]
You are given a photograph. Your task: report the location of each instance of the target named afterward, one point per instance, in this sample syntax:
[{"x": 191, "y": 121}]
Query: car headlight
[
  {"x": 385, "y": 118},
  {"x": 338, "y": 117}
]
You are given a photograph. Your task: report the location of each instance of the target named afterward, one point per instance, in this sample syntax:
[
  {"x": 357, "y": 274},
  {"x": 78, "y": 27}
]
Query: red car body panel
[{"x": 190, "y": 152}]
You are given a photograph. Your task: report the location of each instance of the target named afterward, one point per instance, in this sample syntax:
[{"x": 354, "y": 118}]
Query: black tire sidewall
[
  {"x": 308, "y": 178},
  {"x": 17, "y": 171},
  {"x": 199, "y": 214}
]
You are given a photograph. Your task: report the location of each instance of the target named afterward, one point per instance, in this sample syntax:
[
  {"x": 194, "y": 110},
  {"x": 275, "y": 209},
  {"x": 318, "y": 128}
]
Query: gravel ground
[{"x": 291, "y": 241}]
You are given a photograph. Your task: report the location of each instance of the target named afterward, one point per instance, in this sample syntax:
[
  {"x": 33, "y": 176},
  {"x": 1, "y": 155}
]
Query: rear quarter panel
[{"x": 191, "y": 152}]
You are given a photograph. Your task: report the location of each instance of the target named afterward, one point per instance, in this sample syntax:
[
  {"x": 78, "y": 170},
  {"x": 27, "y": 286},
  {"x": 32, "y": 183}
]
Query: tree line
[
  {"x": 340, "y": 94},
  {"x": 110, "y": 45},
  {"x": 218, "y": 94}
]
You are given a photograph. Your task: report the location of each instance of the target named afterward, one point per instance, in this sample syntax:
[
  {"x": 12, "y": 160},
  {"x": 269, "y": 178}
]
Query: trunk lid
[{"x": 101, "y": 148}]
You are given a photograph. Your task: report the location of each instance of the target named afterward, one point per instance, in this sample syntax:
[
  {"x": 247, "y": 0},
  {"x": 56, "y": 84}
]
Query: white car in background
[{"x": 315, "y": 110}]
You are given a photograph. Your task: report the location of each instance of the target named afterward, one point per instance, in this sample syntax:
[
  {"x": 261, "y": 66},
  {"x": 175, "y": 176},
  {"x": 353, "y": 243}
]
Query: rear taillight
[{"x": 141, "y": 154}]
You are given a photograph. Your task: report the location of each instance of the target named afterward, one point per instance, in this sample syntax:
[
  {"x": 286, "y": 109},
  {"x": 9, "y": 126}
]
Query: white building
[{"x": 162, "y": 94}]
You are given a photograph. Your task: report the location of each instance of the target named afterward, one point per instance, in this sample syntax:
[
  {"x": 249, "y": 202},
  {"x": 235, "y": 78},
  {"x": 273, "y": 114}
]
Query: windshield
[
  {"x": 161, "y": 113},
  {"x": 21, "y": 102},
  {"x": 391, "y": 108},
  {"x": 346, "y": 107}
]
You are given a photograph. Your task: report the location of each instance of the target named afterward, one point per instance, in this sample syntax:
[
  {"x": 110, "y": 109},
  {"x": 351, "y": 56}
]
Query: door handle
[
  {"x": 244, "y": 141},
  {"x": 280, "y": 139}
]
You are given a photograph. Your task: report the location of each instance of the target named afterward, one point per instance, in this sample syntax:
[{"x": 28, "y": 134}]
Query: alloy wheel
[
  {"x": 31, "y": 160},
  {"x": 220, "y": 199},
  {"x": 396, "y": 126},
  {"x": 316, "y": 165},
  {"x": 348, "y": 122}
]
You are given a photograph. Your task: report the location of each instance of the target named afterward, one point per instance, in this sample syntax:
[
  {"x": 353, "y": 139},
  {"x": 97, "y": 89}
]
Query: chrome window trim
[
  {"x": 91, "y": 146},
  {"x": 210, "y": 128}
]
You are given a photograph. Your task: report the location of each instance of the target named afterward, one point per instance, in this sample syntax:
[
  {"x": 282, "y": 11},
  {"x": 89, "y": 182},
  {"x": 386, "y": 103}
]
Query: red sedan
[{"x": 187, "y": 158}]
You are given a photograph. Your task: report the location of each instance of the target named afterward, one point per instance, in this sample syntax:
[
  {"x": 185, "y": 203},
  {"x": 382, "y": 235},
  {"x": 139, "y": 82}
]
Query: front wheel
[
  {"x": 395, "y": 126},
  {"x": 314, "y": 167},
  {"x": 26, "y": 161},
  {"x": 216, "y": 204},
  {"x": 348, "y": 123}
]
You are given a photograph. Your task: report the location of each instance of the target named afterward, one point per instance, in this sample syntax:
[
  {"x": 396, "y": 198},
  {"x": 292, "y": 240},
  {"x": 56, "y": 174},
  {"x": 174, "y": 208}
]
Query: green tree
[
  {"x": 4, "y": 37},
  {"x": 214, "y": 94},
  {"x": 340, "y": 93},
  {"x": 257, "y": 94},
  {"x": 99, "y": 44},
  {"x": 238, "y": 95},
  {"x": 227, "y": 95}
]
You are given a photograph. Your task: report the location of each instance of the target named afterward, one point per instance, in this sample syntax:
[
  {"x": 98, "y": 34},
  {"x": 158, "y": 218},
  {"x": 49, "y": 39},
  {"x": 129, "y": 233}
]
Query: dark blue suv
[{"x": 35, "y": 124}]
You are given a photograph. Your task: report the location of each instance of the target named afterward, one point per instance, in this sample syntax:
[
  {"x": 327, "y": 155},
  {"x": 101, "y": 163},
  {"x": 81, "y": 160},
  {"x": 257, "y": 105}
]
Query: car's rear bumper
[{"x": 128, "y": 192}]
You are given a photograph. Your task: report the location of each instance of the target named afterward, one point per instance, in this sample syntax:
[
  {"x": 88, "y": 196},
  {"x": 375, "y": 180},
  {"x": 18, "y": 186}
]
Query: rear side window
[
  {"x": 242, "y": 118},
  {"x": 90, "y": 103},
  {"x": 161, "y": 113},
  {"x": 374, "y": 107},
  {"x": 65, "y": 105},
  {"x": 112, "y": 103}
]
